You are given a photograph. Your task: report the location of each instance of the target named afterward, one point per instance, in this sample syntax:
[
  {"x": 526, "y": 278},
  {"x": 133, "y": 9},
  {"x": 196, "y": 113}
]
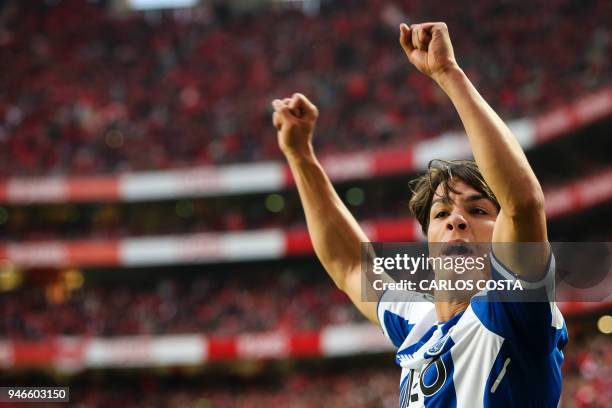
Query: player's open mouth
[{"x": 457, "y": 248}]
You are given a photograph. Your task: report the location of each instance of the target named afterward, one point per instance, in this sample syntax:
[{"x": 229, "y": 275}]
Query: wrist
[
  {"x": 448, "y": 75},
  {"x": 297, "y": 155}
]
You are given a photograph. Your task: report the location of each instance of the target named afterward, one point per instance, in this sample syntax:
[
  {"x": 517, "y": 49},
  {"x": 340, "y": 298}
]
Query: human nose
[{"x": 456, "y": 221}]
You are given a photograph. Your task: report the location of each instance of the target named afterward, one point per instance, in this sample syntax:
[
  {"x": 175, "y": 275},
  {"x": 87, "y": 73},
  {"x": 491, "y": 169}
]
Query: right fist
[
  {"x": 294, "y": 119},
  {"x": 428, "y": 47}
]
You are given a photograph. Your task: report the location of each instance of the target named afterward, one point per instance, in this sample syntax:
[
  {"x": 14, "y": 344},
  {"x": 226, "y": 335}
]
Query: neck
[
  {"x": 446, "y": 310},
  {"x": 449, "y": 303}
]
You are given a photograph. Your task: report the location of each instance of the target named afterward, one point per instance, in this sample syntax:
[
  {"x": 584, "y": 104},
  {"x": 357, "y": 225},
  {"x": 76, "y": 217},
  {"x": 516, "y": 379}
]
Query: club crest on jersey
[{"x": 438, "y": 346}]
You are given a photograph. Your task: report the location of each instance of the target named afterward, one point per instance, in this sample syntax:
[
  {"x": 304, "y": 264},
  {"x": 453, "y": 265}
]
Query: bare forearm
[
  {"x": 335, "y": 234},
  {"x": 497, "y": 152}
]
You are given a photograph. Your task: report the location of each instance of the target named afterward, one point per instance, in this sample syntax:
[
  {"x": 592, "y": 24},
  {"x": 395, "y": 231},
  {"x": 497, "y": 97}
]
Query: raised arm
[
  {"x": 497, "y": 152},
  {"x": 334, "y": 232}
]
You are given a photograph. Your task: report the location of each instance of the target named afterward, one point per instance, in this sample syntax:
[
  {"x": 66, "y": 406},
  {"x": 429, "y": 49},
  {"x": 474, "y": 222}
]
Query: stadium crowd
[
  {"x": 587, "y": 380},
  {"x": 587, "y": 384},
  {"x": 359, "y": 388},
  {"x": 367, "y": 199},
  {"x": 84, "y": 91},
  {"x": 236, "y": 304}
]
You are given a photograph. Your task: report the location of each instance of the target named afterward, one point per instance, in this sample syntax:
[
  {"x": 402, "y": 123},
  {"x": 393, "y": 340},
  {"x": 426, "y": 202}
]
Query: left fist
[{"x": 428, "y": 47}]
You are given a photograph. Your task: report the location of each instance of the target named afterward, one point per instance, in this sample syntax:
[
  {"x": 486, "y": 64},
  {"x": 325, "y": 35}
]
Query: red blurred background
[{"x": 153, "y": 249}]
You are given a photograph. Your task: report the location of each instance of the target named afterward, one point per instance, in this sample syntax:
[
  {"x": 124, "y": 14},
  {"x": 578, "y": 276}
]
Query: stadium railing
[
  {"x": 272, "y": 243},
  {"x": 273, "y": 176},
  {"x": 78, "y": 353}
]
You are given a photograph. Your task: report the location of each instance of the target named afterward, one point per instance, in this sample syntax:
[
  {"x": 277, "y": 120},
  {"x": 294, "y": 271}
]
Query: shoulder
[{"x": 400, "y": 312}]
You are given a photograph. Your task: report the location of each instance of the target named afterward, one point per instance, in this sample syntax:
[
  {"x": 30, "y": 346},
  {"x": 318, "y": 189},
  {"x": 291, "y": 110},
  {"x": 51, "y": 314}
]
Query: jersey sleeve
[
  {"x": 398, "y": 313},
  {"x": 529, "y": 318}
]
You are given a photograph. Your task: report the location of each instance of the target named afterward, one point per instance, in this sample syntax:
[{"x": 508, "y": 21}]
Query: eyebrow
[{"x": 470, "y": 198}]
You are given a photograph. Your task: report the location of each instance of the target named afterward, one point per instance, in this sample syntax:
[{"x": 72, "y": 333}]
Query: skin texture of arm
[
  {"x": 497, "y": 152},
  {"x": 335, "y": 234}
]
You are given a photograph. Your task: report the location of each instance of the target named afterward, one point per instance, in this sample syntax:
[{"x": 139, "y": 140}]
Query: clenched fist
[
  {"x": 428, "y": 47},
  {"x": 294, "y": 119}
]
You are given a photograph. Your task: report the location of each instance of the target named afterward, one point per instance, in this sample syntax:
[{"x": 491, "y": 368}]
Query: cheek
[
  {"x": 433, "y": 231},
  {"x": 484, "y": 230}
]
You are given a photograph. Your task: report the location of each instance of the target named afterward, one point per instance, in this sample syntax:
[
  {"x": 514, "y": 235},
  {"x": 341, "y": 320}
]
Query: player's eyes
[
  {"x": 441, "y": 214},
  {"x": 477, "y": 210}
]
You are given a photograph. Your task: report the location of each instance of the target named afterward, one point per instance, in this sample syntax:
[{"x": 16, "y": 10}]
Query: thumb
[
  {"x": 277, "y": 121},
  {"x": 405, "y": 38}
]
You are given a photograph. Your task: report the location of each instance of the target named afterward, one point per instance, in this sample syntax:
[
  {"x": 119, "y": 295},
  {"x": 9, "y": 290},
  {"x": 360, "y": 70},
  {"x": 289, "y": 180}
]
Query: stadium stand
[
  {"x": 107, "y": 94},
  {"x": 140, "y": 263}
]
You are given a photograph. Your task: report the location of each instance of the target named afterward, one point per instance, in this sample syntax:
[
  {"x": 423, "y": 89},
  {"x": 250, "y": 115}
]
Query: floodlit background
[{"x": 153, "y": 249}]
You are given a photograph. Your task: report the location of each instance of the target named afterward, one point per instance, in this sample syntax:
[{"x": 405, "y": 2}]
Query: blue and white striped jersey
[{"x": 493, "y": 354}]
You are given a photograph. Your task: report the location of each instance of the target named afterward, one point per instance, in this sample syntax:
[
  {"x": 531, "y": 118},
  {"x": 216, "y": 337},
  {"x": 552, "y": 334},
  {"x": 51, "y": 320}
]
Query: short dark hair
[{"x": 443, "y": 172}]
